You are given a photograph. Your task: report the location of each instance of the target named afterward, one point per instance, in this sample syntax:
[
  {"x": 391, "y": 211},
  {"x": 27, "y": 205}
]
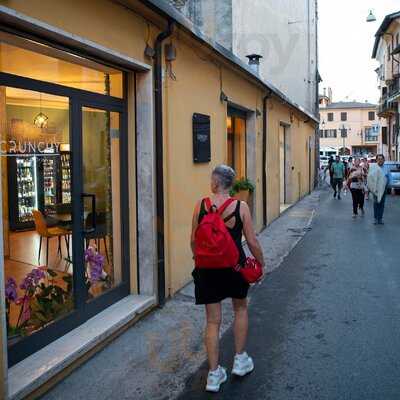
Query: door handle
[{"x": 93, "y": 212}]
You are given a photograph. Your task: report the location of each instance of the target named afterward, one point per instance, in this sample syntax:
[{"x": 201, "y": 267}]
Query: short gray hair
[{"x": 224, "y": 175}]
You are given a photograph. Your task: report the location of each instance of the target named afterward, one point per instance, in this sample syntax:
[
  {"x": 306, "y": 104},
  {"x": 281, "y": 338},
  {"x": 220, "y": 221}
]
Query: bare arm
[
  {"x": 194, "y": 225},
  {"x": 250, "y": 235}
]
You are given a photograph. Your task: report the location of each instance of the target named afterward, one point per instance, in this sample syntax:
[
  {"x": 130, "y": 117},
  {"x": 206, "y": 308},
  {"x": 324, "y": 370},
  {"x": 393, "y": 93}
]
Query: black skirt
[{"x": 217, "y": 284}]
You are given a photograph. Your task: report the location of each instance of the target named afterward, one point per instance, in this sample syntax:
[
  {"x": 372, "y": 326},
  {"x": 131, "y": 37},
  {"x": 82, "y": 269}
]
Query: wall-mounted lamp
[
  {"x": 149, "y": 51},
  {"x": 170, "y": 52},
  {"x": 223, "y": 97},
  {"x": 371, "y": 17}
]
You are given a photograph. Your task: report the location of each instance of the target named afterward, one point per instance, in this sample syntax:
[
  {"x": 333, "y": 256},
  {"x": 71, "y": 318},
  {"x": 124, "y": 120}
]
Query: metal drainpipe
[
  {"x": 158, "y": 111},
  {"x": 264, "y": 159}
]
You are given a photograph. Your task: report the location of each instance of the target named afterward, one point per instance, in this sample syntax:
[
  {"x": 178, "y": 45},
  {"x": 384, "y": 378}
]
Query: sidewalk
[{"x": 152, "y": 359}]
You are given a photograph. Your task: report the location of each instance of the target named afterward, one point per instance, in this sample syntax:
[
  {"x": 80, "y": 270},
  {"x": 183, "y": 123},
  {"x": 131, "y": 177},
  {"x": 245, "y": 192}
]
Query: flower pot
[{"x": 243, "y": 195}]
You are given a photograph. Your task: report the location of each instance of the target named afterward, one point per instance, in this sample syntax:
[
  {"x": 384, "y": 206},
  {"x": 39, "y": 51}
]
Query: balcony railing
[
  {"x": 371, "y": 138},
  {"x": 386, "y": 107},
  {"x": 394, "y": 89}
]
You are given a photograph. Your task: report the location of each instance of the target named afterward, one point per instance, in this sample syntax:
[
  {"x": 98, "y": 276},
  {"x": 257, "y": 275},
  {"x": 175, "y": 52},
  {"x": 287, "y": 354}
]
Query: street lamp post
[{"x": 343, "y": 134}]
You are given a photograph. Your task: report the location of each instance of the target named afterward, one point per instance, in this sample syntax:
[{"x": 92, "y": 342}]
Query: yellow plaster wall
[
  {"x": 300, "y": 132},
  {"x": 100, "y": 21},
  {"x": 199, "y": 77},
  {"x": 195, "y": 88}
]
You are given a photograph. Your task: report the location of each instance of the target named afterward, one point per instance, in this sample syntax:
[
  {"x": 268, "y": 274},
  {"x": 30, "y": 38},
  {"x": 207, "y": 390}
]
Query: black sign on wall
[{"x": 201, "y": 138}]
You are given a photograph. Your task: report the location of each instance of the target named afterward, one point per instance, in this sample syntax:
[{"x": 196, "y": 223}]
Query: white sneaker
[
  {"x": 242, "y": 365},
  {"x": 215, "y": 379}
]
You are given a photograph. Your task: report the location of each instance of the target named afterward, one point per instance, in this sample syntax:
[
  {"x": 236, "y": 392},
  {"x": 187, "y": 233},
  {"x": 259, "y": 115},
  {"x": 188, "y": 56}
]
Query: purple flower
[
  {"x": 11, "y": 290},
  {"x": 95, "y": 262},
  {"x": 32, "y": 279}
]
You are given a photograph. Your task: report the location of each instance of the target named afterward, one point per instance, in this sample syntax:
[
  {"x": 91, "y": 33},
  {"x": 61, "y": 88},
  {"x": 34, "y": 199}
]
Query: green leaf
[{"x": 242, "y": 184}]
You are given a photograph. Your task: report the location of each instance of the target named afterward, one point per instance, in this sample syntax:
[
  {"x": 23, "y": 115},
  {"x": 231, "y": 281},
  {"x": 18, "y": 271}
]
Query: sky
[{"x": 345, "y": 47}]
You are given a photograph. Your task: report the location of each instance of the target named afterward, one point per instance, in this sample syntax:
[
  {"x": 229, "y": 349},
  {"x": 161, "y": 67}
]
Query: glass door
[
  {"x": 75, "y": 256},
  {"x": 101, "y": 200}
]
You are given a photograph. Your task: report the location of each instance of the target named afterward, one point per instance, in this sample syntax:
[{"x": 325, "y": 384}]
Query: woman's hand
[{"x": 250, "y": 235}]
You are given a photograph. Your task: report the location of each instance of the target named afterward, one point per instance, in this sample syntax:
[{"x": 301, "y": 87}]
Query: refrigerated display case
[
  {"x": 22, "y": 187},
  {"x": 65, "y": 158},
  {"x": 38, "y": 181},
  {"x": 48, "y": 178}
]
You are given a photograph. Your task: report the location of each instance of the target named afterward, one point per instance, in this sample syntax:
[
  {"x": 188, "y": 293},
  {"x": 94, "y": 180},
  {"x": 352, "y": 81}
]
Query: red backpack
[{"x": 214, "y": 246}]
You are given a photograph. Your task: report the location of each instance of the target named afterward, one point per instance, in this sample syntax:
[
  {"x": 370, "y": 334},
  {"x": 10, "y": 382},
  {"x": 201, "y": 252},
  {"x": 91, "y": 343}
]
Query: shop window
[
  {"x": 50, "y": 65},
  {"x": 36, "y": 181},
  {"x": 64, "y": 254},
  {"x": 236, "y": 152},
  {"x": 101, "y": 183}
]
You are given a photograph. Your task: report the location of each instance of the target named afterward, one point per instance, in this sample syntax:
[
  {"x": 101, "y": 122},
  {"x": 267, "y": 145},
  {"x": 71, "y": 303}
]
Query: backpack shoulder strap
[
  {"x": 225, "y": 205},
  {"x": 208, "y": 204}
]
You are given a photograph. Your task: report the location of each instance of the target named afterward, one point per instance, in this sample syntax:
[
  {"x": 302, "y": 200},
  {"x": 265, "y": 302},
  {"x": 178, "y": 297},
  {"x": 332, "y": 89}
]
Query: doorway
[
  {"x": 236, "y": 131},
  {"x": 64, "y": 195},
  {"x": 284, "y": 197}
]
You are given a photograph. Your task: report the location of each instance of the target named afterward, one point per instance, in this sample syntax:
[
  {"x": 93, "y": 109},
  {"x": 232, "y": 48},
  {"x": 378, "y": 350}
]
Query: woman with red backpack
[{"x": 219, "y": 222}]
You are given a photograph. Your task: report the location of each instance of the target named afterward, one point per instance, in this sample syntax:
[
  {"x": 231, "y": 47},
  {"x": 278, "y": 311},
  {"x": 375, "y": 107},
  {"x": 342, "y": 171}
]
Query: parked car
[
  {"x": 323, "y": 162},
  {"x": 393, "y": 167},
  {"x": 395, "y": 180}
]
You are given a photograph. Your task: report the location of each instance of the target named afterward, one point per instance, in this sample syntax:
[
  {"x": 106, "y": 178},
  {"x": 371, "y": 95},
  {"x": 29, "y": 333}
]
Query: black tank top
[{"x": 236, "y": 231}]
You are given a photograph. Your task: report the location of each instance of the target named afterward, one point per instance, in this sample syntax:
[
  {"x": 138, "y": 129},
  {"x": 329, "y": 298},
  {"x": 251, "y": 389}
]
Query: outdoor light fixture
[
  {"x": 371, "y": 17},
  {"x": 41, "y": 119},
  {"x": 323, "y": 124},
  {"x": 223, "y": 97}
]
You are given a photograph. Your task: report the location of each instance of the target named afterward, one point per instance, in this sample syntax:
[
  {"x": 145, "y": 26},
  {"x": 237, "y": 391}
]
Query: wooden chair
[
  {"x": 98, "y": 231},
  {"x": 44, "y": 231}
]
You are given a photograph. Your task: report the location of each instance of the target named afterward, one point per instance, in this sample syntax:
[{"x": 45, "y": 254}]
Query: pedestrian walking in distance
[
  {"x": 338, "y": 171},
  {"x": 329, "y": 168},
  {"x": 355, "y": 183},
  {"x": 214, "y": 283},
  {"x": 365, "y": 166},
  {"x": 378, "y": 181}
]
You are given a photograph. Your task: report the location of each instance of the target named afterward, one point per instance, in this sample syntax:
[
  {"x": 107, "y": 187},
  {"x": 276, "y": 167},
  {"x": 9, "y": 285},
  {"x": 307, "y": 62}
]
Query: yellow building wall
[
  {"x": 192, "y": 83},
  {"x": 193, "y": 86},
  {"x": 111, "y": 26},
  {"x": 101, "y": 21},
  {"x": 299, "y": 177}
]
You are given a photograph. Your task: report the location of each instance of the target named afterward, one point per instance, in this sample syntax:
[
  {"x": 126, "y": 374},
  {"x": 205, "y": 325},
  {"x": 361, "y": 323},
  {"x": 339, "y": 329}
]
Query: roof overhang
[
  {"x": 382, "y": 29},
  {"x": 169, "y": 12}
]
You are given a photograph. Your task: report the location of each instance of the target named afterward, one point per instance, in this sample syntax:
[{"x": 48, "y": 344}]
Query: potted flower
[
  {"x": 242, "y": 189},
  {"x": 42, "y": 301},
  {"x": 95, "y": 273}
]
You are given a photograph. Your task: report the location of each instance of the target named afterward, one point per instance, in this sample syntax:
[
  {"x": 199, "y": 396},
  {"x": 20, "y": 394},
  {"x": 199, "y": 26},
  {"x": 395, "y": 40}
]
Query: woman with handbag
[
  {"x": 216, "y": 241},
  {"x": 356, "y": 184}
]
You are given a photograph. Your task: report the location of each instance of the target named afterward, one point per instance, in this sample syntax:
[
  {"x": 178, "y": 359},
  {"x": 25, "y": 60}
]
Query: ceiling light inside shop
[{"x": 41, "y": 119}]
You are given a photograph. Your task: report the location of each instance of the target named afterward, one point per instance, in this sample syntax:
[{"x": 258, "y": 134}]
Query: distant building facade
[
  {"x": 387, "y": 52},
  {"x": 352, "y": 128}
]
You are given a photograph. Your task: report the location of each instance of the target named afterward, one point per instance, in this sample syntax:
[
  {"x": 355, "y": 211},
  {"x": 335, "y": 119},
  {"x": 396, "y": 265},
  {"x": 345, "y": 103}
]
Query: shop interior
[{"x": 37, "y": 176}]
